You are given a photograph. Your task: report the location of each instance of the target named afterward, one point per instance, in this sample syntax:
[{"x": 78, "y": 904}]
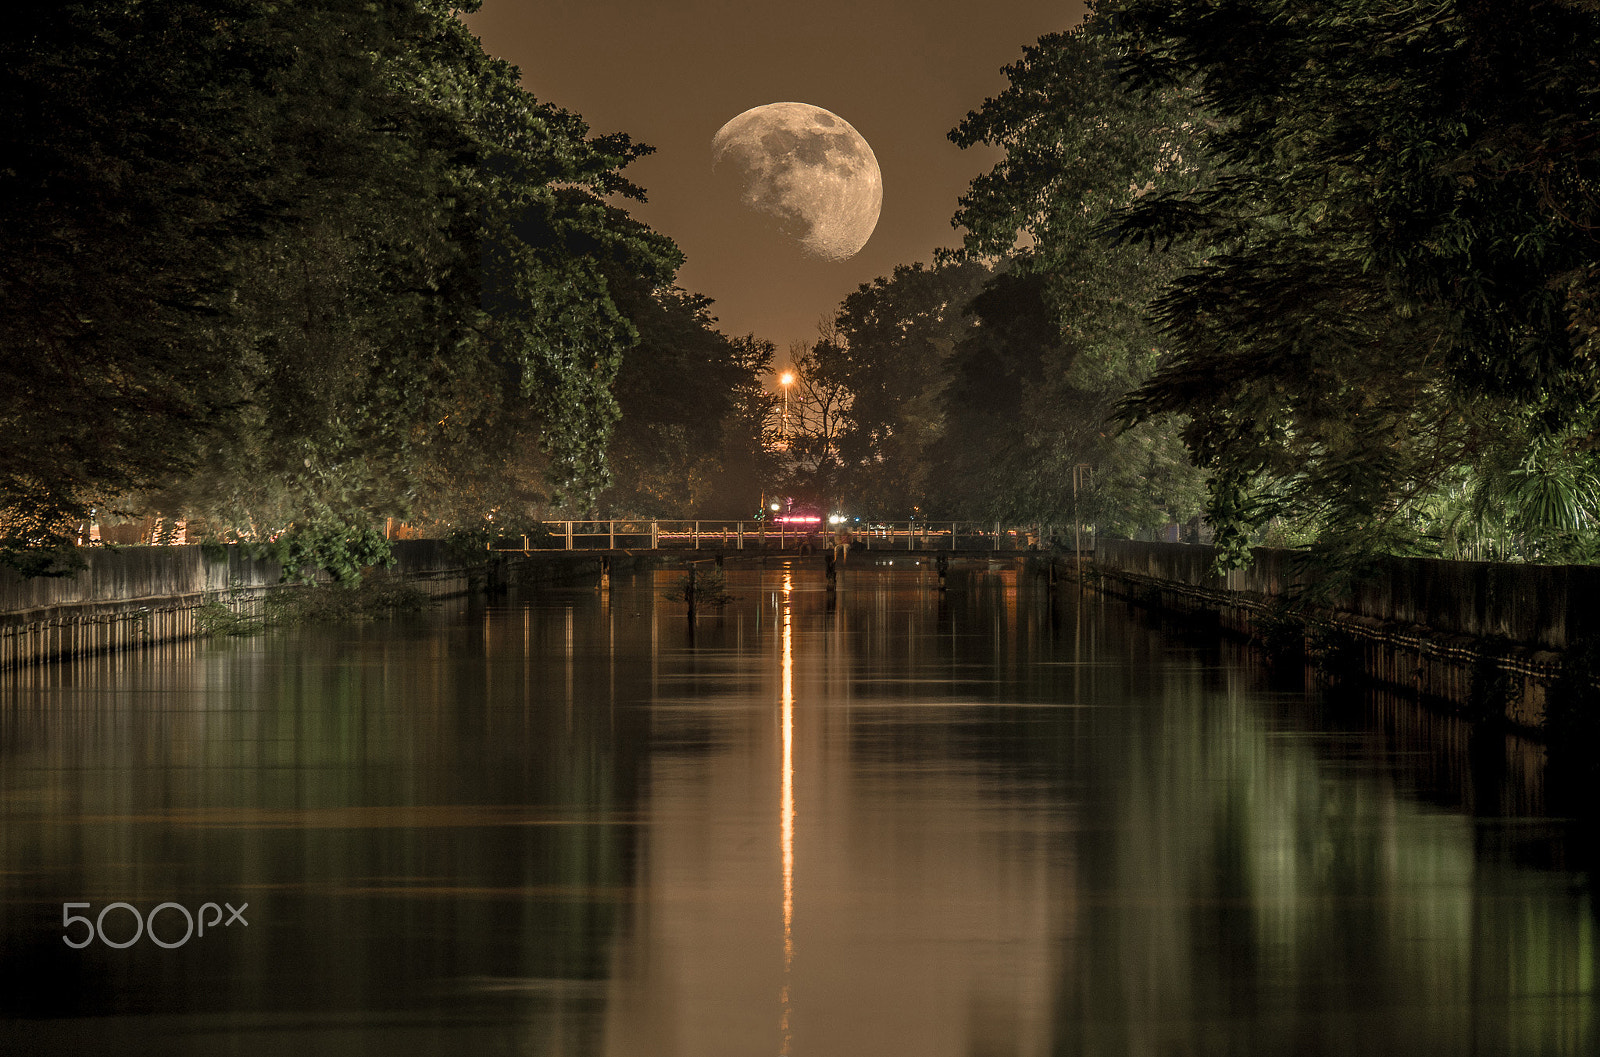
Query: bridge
[{"x": 621, "y": 537}]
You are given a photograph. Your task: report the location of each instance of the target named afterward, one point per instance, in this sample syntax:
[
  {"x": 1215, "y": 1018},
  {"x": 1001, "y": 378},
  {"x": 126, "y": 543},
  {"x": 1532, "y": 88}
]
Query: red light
[{"x": 798, "y": 519}]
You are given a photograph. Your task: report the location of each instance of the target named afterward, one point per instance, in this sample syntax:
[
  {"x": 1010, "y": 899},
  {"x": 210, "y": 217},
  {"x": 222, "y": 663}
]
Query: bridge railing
[{"x": 639, "y": 534}]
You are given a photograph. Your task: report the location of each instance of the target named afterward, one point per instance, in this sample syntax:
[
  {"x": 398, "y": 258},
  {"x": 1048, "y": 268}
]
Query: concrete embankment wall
[
  {"x": 134, "y": 596},
  {"x": 1419, "y": 624}
]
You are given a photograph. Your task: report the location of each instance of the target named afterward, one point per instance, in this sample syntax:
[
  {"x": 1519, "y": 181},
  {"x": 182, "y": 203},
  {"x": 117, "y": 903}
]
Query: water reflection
[
  {"x": 1005, "y": 826},
  {"x": 786, "y": 813}
]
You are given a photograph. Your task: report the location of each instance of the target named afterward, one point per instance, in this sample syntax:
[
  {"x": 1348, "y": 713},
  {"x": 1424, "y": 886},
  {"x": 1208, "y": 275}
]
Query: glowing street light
[{"x": 786, "y": 379}]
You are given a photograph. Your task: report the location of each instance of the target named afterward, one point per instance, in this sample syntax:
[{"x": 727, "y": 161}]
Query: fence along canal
[
  {"x": 1433, "y": 627},
  {"x": 129, "y": 597}
]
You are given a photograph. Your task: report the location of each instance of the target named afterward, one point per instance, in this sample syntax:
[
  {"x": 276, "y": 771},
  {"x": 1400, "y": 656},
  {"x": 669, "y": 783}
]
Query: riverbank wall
[
  {"x": 1466, "y": 635},
  {"x": 129, "y": 597}
]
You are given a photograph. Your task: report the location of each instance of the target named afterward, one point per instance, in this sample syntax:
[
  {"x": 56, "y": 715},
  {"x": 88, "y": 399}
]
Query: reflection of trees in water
[
  {"x": 443, "y": 826},
  {"x": 406, "y": 810},
  {"x": 1254, "y": 881},
  {"x": 1249, "y": 872}
]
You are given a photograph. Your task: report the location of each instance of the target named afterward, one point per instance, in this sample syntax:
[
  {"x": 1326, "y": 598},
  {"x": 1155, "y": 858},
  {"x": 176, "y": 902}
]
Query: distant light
[
  {"x": 786, "y": 378},
  {"x": 774, "y": 506},
  {"x": 798, "y": 519},
  {"x": 835, "y": 519}
]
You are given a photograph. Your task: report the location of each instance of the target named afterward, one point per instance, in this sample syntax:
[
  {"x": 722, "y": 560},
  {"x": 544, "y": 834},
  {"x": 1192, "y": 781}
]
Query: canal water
[{"x": 888, "y": 821}]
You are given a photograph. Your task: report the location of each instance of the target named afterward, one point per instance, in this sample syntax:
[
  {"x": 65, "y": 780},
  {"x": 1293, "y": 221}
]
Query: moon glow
[{"x": 808, "y": 170}]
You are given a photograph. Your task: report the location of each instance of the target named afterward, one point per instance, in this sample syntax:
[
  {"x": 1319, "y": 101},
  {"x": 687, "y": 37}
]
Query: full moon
[{"x": 809, "y": 170}]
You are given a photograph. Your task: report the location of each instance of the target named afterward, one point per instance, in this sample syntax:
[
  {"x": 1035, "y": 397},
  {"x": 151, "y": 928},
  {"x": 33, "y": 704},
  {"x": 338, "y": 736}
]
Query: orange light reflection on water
[{"x": 786, "y": 812}]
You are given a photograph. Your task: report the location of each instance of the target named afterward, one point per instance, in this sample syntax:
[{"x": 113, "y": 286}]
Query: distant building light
[{"x": 798, "y": 519}]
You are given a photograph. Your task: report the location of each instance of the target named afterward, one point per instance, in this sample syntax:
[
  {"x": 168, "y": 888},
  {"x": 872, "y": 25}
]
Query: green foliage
[
  {"x": 371, "y": 599},
  {"x": 129, "y": 186},
  {"x": 868, "y": 405},
  {"x": 1537, "y": 503},
  {"x": 1077, "y": 147},
  {"x": 42, "y": 556},
  {"x": 341, "y": 549},
  {"x": 472, "y": 543},
  {"x": 690, "y": 440},
  {"x": 987, "y": 465},
  {"x": 1391, "y": 272},
  {"x": 215, "y": 618},
  {"x": 890, "y": 346},
  {"x": 291, "y": 263}
]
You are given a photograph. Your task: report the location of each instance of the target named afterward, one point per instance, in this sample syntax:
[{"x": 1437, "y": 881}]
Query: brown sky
[{"x": 671, "y": 72}]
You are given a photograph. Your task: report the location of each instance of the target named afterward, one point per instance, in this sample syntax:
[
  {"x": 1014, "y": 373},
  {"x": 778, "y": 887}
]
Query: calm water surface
[{"x": 887, "y": 822}]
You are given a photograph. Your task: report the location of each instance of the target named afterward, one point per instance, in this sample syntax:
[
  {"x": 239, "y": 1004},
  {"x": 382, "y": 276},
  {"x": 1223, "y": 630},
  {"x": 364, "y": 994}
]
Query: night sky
[{"x": 903, "y": 72}]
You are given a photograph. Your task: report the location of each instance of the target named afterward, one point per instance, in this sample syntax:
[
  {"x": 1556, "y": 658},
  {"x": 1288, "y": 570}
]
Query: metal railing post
[
  {"x": 739, "y": 529},
  {"x": 569, "y": 535},
  {"x": 952, "y": 535},
  {"x": 997, "y": 535},
  {"x": 612, "y": 525},
  {"x": 655, "y": 535},
  {"x": 694, "y": 535}
]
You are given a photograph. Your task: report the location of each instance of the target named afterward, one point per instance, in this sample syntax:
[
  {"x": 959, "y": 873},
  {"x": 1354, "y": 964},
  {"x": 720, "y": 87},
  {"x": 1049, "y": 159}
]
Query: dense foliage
[
  {"x": 1388, "y": 338},
  {"x": 867, "y": 408},
  {"x": 297, "y": 267},
  {"x": 1067, "y": 329},
  {"x": 691, "y": 441},
  {"x": 983, "y": 387}
]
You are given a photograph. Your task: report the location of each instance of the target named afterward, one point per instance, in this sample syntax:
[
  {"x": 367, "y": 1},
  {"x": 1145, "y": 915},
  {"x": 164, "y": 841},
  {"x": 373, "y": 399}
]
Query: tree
[
  {"x": 815, "y": 419},
  {"x": 129, "y": 190},
  {"x": 889, "y": 345},
  {"x": 1022, "y": 442},
  {"x": 1077, "y": 147},
  {"x": 301, "y": 265},
  {"x": 689, "y": 442},
  {"x": 1398, "y": 245}
]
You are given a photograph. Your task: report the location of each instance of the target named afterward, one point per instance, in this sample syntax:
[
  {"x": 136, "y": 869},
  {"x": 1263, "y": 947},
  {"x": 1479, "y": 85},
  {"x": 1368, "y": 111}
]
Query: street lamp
[{"x": 786, "y": 379}]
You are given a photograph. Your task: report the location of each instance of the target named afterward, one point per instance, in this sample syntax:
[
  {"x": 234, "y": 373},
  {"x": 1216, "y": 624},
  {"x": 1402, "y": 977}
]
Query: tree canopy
[
  {"x": 1067, "y": 320},
  {"x": 872, "y": 388},
  {"x": 1397, "y": 256},
  {"x": 691, "y": 440},
  {"x": 299, "y": 267}
]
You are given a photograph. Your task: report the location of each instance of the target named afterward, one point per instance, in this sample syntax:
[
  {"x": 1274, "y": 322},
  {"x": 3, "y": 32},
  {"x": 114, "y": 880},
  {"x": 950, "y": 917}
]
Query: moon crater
[{"x": 808, "y": 170}]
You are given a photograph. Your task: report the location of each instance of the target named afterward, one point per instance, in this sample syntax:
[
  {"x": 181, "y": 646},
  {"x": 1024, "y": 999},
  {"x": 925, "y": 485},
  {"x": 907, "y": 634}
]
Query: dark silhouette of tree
[
  {"x": 890, "y": 344},
  {"x": 690, "y": 439}
]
